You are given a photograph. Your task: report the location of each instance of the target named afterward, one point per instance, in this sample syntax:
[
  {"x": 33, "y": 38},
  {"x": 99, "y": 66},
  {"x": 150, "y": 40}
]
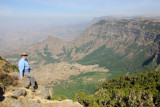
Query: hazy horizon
[{"x": 30, "y": 13}]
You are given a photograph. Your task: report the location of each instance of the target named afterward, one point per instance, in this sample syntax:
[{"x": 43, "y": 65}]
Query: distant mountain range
[
  {"x": 17, "y": 39},
  {"x": 125, "y": 45},
  {"x": 20, "y": 38}
]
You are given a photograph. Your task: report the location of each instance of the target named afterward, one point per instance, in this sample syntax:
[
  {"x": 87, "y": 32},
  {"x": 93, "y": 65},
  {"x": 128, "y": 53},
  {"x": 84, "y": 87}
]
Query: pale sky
[{"x": 71, "y": 11}]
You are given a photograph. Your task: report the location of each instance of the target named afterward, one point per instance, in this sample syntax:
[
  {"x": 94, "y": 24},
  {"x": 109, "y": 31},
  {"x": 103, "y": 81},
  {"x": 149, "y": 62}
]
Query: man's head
[{"x": 24, "y": 55}]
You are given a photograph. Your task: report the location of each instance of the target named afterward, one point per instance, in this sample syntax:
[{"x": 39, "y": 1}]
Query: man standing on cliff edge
[{"x": 25, "y": 70}]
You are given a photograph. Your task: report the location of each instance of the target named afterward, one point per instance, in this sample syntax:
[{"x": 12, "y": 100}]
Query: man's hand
[{"x": 21, "y": 78}]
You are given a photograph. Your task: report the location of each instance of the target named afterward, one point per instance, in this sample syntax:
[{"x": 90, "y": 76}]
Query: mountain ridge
[{"x": 130, "y": 38}]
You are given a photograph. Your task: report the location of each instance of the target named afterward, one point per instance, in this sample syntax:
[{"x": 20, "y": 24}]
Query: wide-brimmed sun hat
[{"x": 24, "y": 54}]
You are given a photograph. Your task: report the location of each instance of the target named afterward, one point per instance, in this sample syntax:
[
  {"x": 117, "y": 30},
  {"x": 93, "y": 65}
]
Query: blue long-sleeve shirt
[{"x": 23, "y": 65}]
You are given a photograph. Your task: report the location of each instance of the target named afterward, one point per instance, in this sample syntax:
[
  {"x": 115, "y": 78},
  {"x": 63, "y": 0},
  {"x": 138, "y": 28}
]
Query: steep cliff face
[
  {"x": 133, "y": 41},
  {"x": 119, "y": 34}
]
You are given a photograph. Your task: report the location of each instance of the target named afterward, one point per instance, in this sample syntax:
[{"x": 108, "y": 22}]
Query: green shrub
[
  {"x": 14, "y": 67},
  {"x": 7, "y": 80},
  {"x": 1, "y": 58},
  {"x": 85, "y": 100},
  {"x": 5, "y": 69}
]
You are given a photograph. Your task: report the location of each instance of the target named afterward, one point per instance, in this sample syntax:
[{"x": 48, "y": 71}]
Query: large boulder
[
  {"x": 43, "y": 92},
  {"x": 15, "y": 93},
  {"x": 25, "y": 82}
]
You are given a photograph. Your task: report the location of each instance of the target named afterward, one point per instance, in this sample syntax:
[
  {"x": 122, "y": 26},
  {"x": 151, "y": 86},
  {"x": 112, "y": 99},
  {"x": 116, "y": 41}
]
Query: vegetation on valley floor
[{"x": 84, "y": 82}]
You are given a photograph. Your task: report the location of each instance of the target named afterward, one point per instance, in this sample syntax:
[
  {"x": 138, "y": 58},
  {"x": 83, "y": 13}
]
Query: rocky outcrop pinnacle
[{"x": 22, "y": 97}]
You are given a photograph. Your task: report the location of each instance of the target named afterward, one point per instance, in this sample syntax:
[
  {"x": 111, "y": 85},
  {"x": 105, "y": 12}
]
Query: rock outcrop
[
  {"x": 22, "y": 97},
  {"x": 25, "y": 82},
  {"x": 15, "y": 93},
  {"x": 43, "y": 92}
]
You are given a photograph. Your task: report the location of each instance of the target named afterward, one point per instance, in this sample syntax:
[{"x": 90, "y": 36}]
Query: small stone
[
  {"x": 16, "y": 104},
  {"x": 38, "y": 101},
  {"x": 34, "y": 105}
]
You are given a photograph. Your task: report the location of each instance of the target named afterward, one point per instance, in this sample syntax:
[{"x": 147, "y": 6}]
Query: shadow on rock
[
  {"x": 36, "y": 85},
  {"x": 1, "y": 93}
]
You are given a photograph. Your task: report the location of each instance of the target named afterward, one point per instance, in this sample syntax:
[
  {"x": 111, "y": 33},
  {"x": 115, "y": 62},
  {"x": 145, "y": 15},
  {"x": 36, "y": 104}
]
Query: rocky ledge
[{"x": 20, "y": 96}]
